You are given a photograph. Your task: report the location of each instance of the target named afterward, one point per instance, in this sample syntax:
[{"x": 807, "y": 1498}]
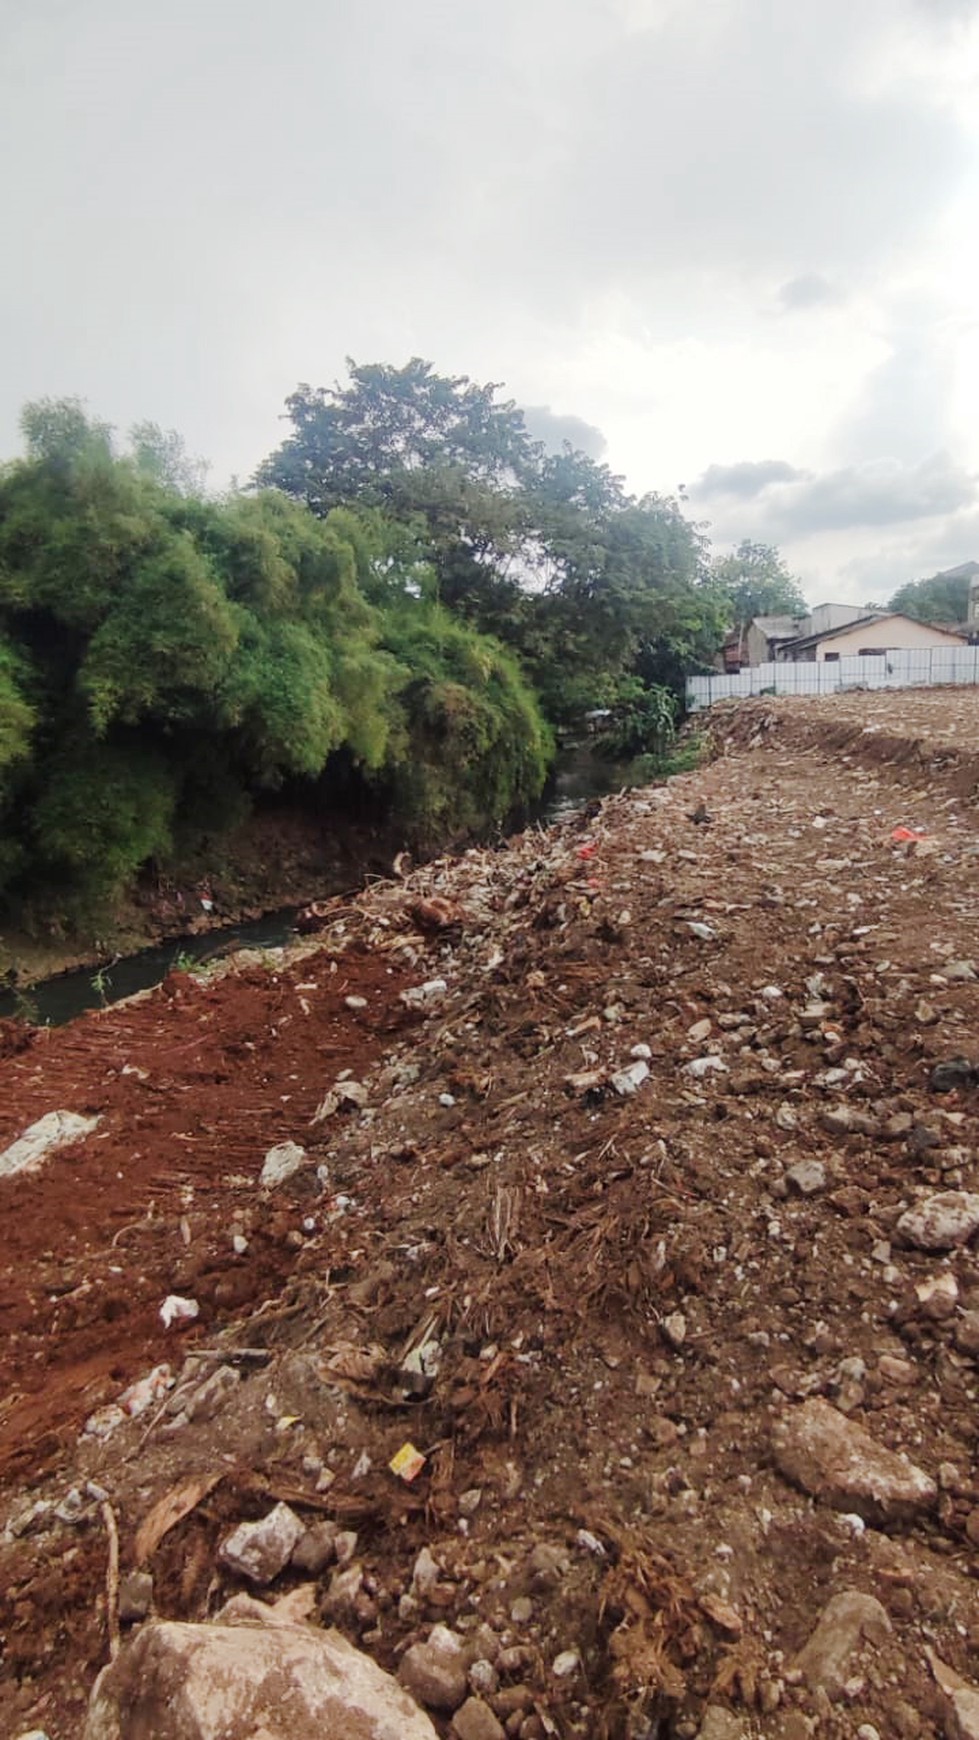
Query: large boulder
[{"x": 239, "y": 1681}]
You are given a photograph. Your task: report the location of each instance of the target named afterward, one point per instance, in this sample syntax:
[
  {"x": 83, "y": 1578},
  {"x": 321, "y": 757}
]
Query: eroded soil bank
[{"x": 639, "y": 1170}]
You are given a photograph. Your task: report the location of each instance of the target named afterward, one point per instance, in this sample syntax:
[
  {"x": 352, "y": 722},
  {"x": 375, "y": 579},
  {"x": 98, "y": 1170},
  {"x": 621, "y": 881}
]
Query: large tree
[
  {"x": 547, "y": 551},
  {"x": 756, "y": 581}
]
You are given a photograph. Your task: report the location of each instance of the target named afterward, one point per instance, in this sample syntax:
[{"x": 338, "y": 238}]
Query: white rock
[
  {"x": 699, "y": 1067},
  {"x": 437, "y": 1672},
  {"x": 54, "y": 1130},
  {"x": 942, "y": 1222},
  {"x": 241, "y": 1681},
  {"x": 260, "y": 1550},
  {"x": 280, "y": 1163},
  {"x": 423, "y": 996},
  {"x": 834, "y": 1459},
  {"x": 566, "y": 1664},
  {"x": 629, "y": 1080},
  {"x": 938, "y": 1296},
  {"x": 847, "y": 1621},
  {"x": 806, "y": 1177}
]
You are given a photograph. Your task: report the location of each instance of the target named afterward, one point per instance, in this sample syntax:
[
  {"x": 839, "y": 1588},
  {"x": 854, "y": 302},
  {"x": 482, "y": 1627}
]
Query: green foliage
[
  {"x": 162, "y": 454},
  {"x": 943, "y": 598},
  {"x": 548, "y": 553},
  {"x": 103, "y": 810},
  {"x": 642, "y": 723},
  {"x": 756, "y": 582},
  {"x": 477, "y": 746},
  {"x": 165, "y": 657}
]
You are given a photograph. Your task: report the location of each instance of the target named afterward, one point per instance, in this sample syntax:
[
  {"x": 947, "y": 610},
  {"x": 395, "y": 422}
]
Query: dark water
[{"x": 578, "y": 776}]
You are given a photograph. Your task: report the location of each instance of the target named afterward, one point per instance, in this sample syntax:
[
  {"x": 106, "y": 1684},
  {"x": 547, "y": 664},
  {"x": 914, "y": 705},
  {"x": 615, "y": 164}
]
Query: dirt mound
[{"x": 618, "y": 1186}]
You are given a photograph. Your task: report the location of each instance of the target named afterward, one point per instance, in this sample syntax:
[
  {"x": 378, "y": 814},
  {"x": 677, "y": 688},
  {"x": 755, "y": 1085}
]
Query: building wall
[
  {"x": 832, "y": 616},
  {"x": 889, "y": 632},
  {"x": 755, "y": 645}
]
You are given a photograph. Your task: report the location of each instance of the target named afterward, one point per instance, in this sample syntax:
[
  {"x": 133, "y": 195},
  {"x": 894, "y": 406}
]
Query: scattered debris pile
[{"x": 582, "y": 1240}]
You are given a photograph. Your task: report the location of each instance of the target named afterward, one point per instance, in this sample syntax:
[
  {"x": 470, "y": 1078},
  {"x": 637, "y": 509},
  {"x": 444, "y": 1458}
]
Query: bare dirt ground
[{"x": 626, "y": 1297}]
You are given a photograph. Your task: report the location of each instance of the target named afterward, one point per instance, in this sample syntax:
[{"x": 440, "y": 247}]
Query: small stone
[
  {"x": 838, "y": 1120},
  {"x": 522, "y": 1611},
  {"x": 628, "y": 1081},
  {"x": 956, "y": 1072},
  {"x": 674, "y": 1329},
  {"x": 566, "y": 1664},
  {"x": 806, "y": 1177},
  {"x": 135, "y": 1596},
  {"x": 470, "y": 1501},
  {"x": 355, "y": 1002},
  {"x": 342, "y": 1596},
  {"x": 896, "y": 1371},
  {"x": 846, "y": 1622},
  {"x": 345, "y": 1547},
  {"x": 210, "y": 1396},
  {"x": 483, "y": 1679},
  {"x": 260, "y": 1550},
  {"x": 316, "y": 1548},
  {"x": 967, "y": 1332},
  {"x": 280, "y": 1163},
  {"x": 425, "y": 1574},
  {"x": 721, "y": 1724},
  {"x": 834, "y": 1459},
  {"x": 897, "y": 1128},
  {"x": 937, "y": 1296},
  {"x": 436, "y": 1672},
  {"x": 942, "y": 1222},
  {"x": 476, "y": 1721},
  {"x": 512, "y": 1699}
]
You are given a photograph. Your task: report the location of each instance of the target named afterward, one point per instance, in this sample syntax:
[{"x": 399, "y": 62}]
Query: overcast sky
[{"x": 733, "y": 246}]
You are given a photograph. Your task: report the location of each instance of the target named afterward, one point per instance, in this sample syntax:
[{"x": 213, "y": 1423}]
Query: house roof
[{"x": 876, "y": 616}]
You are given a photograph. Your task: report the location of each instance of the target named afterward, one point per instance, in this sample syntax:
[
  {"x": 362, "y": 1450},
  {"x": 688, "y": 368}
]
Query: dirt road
[{"x": 638, "y": 1179}]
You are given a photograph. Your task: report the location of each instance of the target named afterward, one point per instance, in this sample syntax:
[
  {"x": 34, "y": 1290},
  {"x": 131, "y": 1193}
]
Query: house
[
  {"x": 868, "y": 635},
  {"x": 765, "y": 634},
  {"x": 760, "y": 643}
]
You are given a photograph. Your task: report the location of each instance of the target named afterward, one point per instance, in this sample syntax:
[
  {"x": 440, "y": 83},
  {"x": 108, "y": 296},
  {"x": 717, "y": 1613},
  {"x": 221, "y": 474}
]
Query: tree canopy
[
  {"x": 592, "y": 588},
  {"x": 166, "y": 657},
  {"x": 408, "y": 599},
  {"x": 942, "y": 598},
  {"x": 755, "y": 581}
]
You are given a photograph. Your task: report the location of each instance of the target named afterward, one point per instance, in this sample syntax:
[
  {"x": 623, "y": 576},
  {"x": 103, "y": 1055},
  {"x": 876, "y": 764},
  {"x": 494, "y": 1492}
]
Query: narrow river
[{"x": 579, "y": 775}]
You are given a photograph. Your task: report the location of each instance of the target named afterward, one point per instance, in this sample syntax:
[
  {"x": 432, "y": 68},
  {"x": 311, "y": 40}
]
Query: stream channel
[{"x": 580, "y": 774}]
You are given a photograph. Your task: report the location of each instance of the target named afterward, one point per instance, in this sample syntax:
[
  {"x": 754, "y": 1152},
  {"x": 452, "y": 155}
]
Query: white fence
[{"x": 921, "y": 667}]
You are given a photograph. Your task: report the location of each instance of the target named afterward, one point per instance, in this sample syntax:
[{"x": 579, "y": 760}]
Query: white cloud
[{"x": 712, "y": 235}]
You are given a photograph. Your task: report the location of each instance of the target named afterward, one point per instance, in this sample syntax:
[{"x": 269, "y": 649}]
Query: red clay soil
[{"x": 194, "y": 1085}]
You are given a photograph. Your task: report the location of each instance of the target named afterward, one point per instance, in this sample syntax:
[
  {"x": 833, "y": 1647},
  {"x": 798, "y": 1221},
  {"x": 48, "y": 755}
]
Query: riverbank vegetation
[{"x": 402, "y": 610}]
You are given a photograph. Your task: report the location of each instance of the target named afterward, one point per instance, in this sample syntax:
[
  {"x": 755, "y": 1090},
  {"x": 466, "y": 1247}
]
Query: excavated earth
[{"x": 624, "y": 1300}]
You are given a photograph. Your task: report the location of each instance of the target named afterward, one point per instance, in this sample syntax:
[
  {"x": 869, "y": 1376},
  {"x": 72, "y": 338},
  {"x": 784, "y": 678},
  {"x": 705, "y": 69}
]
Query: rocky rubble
[{"x": 685, "y": 1357}]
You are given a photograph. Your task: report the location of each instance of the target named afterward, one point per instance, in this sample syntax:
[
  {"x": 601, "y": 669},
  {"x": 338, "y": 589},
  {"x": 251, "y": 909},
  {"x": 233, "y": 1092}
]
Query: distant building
[
  {"x": 867, "y": 635},
  {"x": 762, "y": 641}
]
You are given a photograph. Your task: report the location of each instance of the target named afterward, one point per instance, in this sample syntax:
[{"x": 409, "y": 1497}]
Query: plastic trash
[
  {"x": 177, "y": 1310},
  {"x": 407, "y": 1463}
]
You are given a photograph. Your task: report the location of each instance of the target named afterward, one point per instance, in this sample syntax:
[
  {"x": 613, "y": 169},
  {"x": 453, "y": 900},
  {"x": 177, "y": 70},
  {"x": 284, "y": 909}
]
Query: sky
[{"x": 733, "y": 247}]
